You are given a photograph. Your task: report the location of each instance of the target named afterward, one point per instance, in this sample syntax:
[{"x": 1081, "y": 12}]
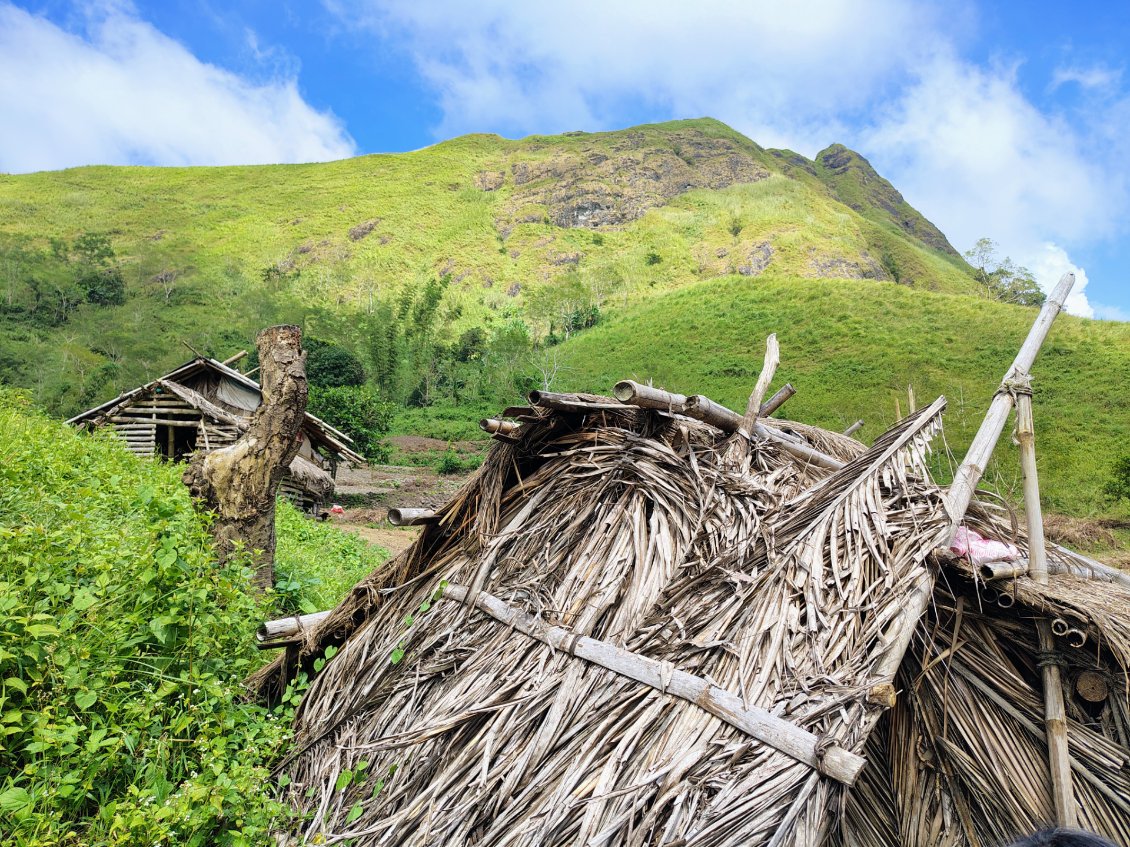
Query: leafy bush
[
  {"x": 122, "y": 648},
  {"x": 1118, "y": 486},
  {"x": 315, "y": 563},
  {"x": 331, "y": 366},
  {"x": 358, "y": 412},
  {"x": 451, "y": 462}
]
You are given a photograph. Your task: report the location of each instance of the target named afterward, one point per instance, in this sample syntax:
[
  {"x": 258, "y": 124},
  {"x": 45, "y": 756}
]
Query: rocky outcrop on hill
[
  {"x": 607, "y": 186},
  {"x": 855, "y": 183}
]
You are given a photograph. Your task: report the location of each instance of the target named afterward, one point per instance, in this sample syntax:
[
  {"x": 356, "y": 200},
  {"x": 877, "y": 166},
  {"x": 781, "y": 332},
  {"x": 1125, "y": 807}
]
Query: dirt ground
[{"x": 378, "y": 488}]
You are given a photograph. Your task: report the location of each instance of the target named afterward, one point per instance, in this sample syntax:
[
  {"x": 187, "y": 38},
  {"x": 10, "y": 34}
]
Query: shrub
[
  {"x": 358, "y": 412},
  {"x": 122, "y": 649},
  {"x": 1117, "y": 487}
]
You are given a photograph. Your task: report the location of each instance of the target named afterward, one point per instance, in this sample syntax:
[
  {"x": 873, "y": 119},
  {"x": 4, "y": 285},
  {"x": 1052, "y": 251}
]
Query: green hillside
[
  {"x": 537, "y": 231},
  {"x": 851, "y": 348}
]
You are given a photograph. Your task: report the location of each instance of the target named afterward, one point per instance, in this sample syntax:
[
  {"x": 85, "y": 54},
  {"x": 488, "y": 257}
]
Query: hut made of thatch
[
  {"x": 633, "y": 627},
  {"x": 204, "y": 405}
]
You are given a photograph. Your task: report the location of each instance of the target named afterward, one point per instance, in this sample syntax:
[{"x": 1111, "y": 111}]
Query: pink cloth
[
  {"x": 980, "y": 550},
  {"x": 337, "y": 510}
]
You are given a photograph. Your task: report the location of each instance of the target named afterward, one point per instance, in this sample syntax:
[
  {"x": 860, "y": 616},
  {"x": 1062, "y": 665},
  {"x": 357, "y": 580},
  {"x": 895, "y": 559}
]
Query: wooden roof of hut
[{"x": 632, "y": 627}]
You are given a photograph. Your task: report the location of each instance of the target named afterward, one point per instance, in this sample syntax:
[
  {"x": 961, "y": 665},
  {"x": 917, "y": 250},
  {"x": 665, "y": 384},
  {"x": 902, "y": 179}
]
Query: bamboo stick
[
  {"x": 854, "y": 428},
  {"x": 777, "y": 400},
  {"x": 284, "y": 628},
  {"x": 965, "y": 482},
  {"x": 780, "y": 734},
  {"x": 1055, "y": 714},
  {"x": 567, "y": 402},
  {"x": 699, "y": 407},
  {"x": 410, "y": 517},
  {"x": 768, "y": 369},
  {"x": 495, "y": 426},
  {"x": 991, "y": 571}
]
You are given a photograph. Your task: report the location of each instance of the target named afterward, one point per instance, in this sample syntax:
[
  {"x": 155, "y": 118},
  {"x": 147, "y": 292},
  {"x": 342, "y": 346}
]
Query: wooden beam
[{"x": 776, "y": 732}]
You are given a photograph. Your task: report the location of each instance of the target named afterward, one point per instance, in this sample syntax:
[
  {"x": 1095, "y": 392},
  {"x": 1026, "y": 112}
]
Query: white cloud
[
  {"x": 121, "y": 92},
  {"x": 1048, "y": 265},
  {"x": 1111, "y": 313},
  {"x": 519, "y": 67},
  {"x": 1095, "y": 76},
  {"x": 969, "y": 150}
]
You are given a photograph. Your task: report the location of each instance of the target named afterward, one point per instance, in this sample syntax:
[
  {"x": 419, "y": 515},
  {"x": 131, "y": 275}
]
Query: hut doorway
[{"x": 175, "y": 442}]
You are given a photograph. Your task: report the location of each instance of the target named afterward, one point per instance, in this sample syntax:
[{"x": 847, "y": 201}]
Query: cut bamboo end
[
  {"x": 777, "y": 400},
  {"x": 410, "y": 517},
  {"x": 854, "y": 428},
  {"x": 497, "y": 427},
  {"x": 991, "y": 571},
  {"x": 285, "y": 628}
]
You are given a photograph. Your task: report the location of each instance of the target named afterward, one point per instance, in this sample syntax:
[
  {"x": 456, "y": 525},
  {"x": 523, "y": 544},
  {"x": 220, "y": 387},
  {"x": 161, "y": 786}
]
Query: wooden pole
[
  {"x": 1055, "y": 714},
  {"x": 788, "y": 738},
  {"x": 965, "y": 482},
  {"x": 777, "y": 400}
]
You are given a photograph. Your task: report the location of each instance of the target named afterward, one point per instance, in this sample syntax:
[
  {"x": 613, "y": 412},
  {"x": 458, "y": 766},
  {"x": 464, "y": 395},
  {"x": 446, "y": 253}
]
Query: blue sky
[{"x": 1006, "y": 120}]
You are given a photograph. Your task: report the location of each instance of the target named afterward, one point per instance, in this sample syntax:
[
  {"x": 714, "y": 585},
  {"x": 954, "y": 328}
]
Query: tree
[{"x": 1003, "y": 280}]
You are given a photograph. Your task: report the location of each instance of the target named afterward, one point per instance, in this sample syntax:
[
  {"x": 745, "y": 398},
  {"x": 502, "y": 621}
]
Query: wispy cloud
[
  {"x": 118, "y": 91},
  {"x": 1093, "y": 77}
]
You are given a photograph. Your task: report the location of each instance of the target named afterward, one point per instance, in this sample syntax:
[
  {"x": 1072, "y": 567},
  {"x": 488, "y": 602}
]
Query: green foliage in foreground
[
  {"x": 122, "y": 649},
  {"x": 852, "y": 348}
]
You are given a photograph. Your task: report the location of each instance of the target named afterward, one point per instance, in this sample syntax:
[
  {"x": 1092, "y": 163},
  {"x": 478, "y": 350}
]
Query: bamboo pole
[
  {"x": 965, "y": 483},
  {"x": 854, "y": 428},
  {"x": 777, "y": 400},
  {"x": 496, "y": 427},
  {"x": 991, "y": 571},
  {"x": 704, "y": 409},
  {"x": 1055, "y": 714},
  {"x": 768, "y": 368},
  {"x": 776, "y": 732},
  {"x": 410, "y": 517},
  {"x": 284, "y": 628}
]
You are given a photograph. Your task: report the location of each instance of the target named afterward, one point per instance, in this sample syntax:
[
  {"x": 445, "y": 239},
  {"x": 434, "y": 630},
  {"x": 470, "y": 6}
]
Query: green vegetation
[
  {"x": 316, "y": 563},
  {"x": 852, "y": 348},
  {"x": 438, "y": 271},
  {"x": 123, "y": 645},
  {"x": 1003, "y": 280}
]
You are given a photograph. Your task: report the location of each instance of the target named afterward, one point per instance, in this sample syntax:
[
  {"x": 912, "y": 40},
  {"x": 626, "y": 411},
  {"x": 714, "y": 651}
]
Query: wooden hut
[{"x": 204, "y": 405}]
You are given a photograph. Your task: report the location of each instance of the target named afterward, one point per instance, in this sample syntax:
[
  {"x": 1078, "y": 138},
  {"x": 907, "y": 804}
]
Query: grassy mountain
[
  {"x": 852, "y": 348},
  {"x": 530, "y": 230},
  {"x": 451, "y": 272}
]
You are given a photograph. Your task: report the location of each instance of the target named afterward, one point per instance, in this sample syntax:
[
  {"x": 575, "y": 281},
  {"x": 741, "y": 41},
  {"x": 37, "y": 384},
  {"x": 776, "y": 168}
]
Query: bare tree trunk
[{"x": 240, "y": 482}]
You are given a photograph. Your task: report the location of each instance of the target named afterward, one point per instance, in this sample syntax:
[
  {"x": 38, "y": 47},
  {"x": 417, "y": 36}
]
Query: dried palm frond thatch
[{"x": 634, "y": 627}]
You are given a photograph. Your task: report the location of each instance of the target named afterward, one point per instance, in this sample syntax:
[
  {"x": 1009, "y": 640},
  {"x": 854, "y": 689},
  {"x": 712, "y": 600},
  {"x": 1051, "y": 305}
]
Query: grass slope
[
  {"x": 675, "y": 203},
  {"x": 852, "y": 348}
]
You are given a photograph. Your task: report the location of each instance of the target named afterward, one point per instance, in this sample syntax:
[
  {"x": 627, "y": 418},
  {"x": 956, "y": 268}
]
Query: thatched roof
[{"x": 520, "y": 676}]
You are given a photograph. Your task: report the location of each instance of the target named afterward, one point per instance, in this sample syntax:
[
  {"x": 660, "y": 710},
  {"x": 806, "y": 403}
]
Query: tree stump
[{"x": 239, "y": 483}]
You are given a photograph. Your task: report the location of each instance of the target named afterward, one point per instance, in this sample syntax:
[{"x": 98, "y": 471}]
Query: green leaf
[
  {"x": 16, "y": 683},
  {"x": 397, "y": 655},
  {"x": 83, "y": 600},
  {"x": 14, "y": 799},
  {"x": 331, "y": 651},
  {"x": 85, "y": 699},
  {"x": 343, "y": 779},
  {"x": 354, "y": 813}
]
